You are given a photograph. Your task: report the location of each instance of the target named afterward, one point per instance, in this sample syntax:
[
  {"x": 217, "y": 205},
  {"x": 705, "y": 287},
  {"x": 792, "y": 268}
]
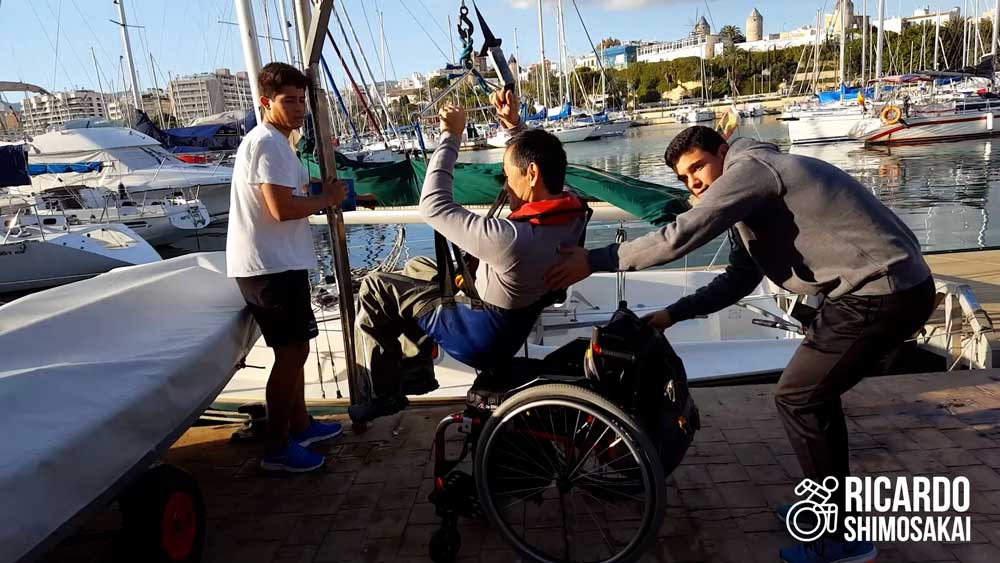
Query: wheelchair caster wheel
[{"x": 445, "y": 544}]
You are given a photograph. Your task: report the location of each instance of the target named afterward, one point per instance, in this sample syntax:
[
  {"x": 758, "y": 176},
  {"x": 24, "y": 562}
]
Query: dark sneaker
[
  {"x": 830, "y": 551},
  {"x": 293, "y": 459},
  {"x": 317, "y": 432}
]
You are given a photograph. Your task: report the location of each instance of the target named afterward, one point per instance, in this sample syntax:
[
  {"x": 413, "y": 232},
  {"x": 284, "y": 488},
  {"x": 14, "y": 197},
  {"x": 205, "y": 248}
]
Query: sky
[{"x": 49, "y": 42}]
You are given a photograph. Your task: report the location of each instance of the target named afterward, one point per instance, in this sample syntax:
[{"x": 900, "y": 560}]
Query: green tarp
[{"x": 398, "y": 184}]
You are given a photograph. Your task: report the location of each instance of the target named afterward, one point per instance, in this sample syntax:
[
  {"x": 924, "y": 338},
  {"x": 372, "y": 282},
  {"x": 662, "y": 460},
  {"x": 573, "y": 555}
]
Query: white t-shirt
[{"x": 256, "y": 242}]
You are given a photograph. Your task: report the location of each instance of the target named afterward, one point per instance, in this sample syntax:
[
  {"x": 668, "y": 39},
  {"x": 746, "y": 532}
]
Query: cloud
[{"x": 607, "y": 4}]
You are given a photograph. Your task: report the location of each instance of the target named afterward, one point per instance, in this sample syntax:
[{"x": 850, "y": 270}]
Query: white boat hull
[
  {"x": 610, "y": 129},
  {"x": 573, "y": 134},
  {"x": 82, "y": 252},
  {"x": 829, "y": 128},
  {"x": 926, "y": 129}
]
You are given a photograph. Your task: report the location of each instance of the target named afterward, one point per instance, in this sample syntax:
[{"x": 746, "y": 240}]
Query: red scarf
[{"x": 558, "y": 211}]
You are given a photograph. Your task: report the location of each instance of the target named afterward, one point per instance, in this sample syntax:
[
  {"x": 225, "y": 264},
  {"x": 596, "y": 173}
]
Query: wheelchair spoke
[
  {"x": 583, "y": 459},
  {"x": 553, "y": 465},
  {"x": 612, "y": 491},
  {"x": 518, "y": 455},
  {"x": 522, "y": 472},
  {"x": 597, "y": 523},
  {"x": 609, "y": 464},
  {"x": 525, "y": 498}
]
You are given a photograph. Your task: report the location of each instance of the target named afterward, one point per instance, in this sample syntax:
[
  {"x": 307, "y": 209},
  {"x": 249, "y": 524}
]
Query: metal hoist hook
[{"x": 466, "y": 30}]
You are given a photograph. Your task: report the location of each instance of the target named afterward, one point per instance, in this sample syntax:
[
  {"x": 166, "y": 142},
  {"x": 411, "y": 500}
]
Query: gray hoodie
[
  {"x": 805, "y": 224},
  {"x": 513, "y": 255}
]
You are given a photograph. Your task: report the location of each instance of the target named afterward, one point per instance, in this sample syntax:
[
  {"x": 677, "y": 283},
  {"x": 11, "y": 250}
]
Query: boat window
[{"x": 49, "y": 221}]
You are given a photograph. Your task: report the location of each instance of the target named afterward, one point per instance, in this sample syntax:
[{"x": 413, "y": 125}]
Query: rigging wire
[
  {"x": 447, "y": 36},
  {"x": 364, "y": 58},
  {"x": 422, "y": 28},
  {"x": 49, "y": 39},
  {"x": 361, "y": 74}
]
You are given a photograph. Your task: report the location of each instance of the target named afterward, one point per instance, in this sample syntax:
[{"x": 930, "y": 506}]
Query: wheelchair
[{"x": 570, "y": 453}]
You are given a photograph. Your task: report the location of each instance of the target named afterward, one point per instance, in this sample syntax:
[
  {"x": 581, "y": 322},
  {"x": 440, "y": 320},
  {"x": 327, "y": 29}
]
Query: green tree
[{"x": 733, "y": 33}]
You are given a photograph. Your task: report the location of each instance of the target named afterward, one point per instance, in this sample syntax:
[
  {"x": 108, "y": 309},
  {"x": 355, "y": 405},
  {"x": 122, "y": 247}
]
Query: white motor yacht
[{"x": 38, "y": 251}]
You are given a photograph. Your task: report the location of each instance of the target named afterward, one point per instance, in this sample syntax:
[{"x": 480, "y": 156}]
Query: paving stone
[
  {"x": 728, "y": 473},
  {"x": 768, "y": 474},
  {"x": 387, "y": 523},
  {"x": 741, "y": 435},
  {"x": 921, "y": 462},
  {"x": 741, "y": 495},
  {"x": 790, "y": 464},
  {"x": 753, "y": 454},
  {"x": 877, "y": 461},
  {"x": 981, "y": 477},
  {"x": 930, "y": 438},
  {"x": 702, "y": 499},
  {"x": 340, "y": 546},
  {"x": 969, "y": 439},
  {"x": 309, "y": 530},
  {"x": 692, "y": 477},
  {"x": 990, "y": 457},
  {"x": 295, "y": 554},
  {"x": 976, "y": 553}
]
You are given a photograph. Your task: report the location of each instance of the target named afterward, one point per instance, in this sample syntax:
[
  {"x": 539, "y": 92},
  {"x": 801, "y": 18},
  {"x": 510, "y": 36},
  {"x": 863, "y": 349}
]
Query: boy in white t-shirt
[{"x": 269, "y": 250}]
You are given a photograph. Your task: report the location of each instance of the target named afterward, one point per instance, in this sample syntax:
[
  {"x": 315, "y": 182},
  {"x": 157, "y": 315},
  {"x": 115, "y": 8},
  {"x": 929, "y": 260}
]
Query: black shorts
[{"x": 282, "y": 306}]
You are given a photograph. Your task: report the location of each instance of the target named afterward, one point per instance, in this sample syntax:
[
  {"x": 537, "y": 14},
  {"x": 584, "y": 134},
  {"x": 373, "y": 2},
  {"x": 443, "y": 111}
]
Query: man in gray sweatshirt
[
  {"x": 812, "y": 229},
  {"x": 494, "y": 313}
]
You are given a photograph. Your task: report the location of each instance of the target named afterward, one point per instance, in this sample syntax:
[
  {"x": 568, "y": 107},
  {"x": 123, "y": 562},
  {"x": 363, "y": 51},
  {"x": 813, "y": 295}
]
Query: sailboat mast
[
  {"x": 267, "y": 32},
  {"x": 993, "y": 43},
  {"x": 127, "y": 46},
  {"x": 97, "y": 70},
  {"x": 880, "y": 41},
  {"x": 544, "y": 75},
  {"x": 289, "y": 52},
  {"x": 843, "y": 46},
  {"x": 156, "y": 91},
  {"x": 251, "y": 54},
  {"x": 864, "y": 43},
  {"x": 937, "y": 37}
]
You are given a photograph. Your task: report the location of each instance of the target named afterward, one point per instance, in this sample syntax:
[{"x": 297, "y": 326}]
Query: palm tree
[{"x": 733, "y": 33}]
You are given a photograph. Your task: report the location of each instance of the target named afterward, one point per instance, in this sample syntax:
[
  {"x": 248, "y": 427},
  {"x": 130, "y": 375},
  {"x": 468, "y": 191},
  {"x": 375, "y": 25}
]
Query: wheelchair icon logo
[{"x": 813, "y": 516}]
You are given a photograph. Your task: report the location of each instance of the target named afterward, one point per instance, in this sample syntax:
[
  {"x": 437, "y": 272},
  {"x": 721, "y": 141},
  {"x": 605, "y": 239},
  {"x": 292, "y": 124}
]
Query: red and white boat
[{"x": 961, "y": 118}]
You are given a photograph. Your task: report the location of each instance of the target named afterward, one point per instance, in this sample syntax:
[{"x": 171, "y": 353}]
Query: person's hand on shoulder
[
  {"x": 571, "y": 270},
  {"x": 452, "y": 119},
  {"x": 507, "y": 106}
]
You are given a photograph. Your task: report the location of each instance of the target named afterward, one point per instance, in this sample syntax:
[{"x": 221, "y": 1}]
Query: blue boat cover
[
  {"x": 14, "y": 166},
  {"x": 843, "y": 93},
  {"x": 64, "y": 168}
]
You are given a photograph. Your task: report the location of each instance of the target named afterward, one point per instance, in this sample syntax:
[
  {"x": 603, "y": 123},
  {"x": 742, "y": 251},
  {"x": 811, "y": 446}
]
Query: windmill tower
[{"x": 755, "y": 26}]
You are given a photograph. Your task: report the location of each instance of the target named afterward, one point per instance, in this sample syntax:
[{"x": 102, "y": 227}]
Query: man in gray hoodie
[{"x": 812, "y": 229}]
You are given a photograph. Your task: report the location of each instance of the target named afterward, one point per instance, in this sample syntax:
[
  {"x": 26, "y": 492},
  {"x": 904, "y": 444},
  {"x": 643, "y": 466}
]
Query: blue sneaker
[
  {"x": 830, "y": 551},
  {"x": 316, "y": 432},
  {"x": 806, "y": 519},
  {"x": 294, "y": 459}
]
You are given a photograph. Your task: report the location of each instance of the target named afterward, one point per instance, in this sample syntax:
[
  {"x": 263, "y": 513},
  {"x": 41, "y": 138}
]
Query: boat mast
[
  {"x": 97, "y": 70},
  {"x": 993, "y": 43},
  {"x": 937, "y": 37},
  {"x": 289, "y": 52},
  {"x": 156, "y": 91},
  {"x": 267, "y": 32},
  {"x": 879, "y": 42},
  {"x": 864, "y": 44},
  {"x": 819, "y": 26},
  {"x": 843, "y": 46},
  {"x": 543, "y": 73},
  {"x": 127, "y": 46},
  {"x": 251, "y": 53}
]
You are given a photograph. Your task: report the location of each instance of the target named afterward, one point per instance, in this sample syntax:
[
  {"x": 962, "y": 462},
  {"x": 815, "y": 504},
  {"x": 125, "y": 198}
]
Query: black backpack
[{"x": 634, "y": 366}]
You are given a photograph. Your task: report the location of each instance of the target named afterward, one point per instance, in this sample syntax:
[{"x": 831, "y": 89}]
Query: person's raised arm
[
  {"x": 508, "y": 109},
  {"x": 487, "y": 239}
]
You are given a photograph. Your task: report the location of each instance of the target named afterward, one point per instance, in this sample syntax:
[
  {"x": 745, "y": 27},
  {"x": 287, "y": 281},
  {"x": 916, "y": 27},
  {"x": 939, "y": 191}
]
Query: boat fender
[{"x": 891, "y": 115}]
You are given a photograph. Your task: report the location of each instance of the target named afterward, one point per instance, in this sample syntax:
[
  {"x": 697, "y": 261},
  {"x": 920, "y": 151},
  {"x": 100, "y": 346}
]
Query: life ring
[{"x": 891, "y": 115}]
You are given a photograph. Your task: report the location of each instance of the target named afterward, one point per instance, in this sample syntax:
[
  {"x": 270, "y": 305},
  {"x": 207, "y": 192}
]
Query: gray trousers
[{"x": 391, "y": 350}]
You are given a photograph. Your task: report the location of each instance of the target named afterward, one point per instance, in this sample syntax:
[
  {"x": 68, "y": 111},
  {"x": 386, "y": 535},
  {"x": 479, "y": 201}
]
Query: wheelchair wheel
[{"x": 566, "y": 475}]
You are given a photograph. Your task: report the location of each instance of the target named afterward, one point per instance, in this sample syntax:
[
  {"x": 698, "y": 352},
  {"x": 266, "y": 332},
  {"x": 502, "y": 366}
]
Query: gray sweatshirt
[
  {"x": 513, "y": 255},
  {"x": 805, "y": 224}
]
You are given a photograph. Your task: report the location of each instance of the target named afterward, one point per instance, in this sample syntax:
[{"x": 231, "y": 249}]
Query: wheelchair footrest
[{"x": 457, "y": 496}]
